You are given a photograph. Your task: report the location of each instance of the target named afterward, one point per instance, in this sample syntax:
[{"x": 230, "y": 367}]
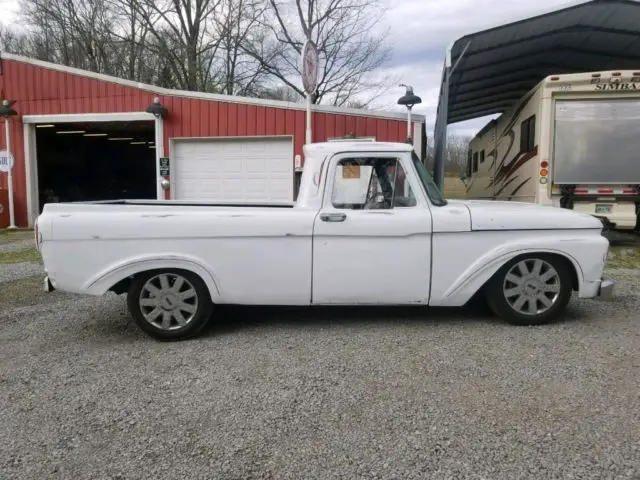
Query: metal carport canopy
[{"x": 486, "y": 72}]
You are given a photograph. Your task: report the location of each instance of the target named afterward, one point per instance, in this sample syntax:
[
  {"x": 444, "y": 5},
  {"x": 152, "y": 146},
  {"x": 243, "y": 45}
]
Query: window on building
[
  {"x": 475, "y": 162},
  {"x": 482, "y": 156},
  {"x": 469, "y": 161},
  {"x": 527, "y": 134},
  {"x": 371, "y": 183}
]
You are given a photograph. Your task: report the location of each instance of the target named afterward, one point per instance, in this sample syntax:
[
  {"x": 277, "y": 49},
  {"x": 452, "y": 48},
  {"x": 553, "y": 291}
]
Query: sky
[{"x": 420, "y": 32}]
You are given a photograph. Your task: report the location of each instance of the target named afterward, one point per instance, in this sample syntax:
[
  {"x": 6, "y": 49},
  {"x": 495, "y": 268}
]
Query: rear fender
[{"x": 107, "y": 278}]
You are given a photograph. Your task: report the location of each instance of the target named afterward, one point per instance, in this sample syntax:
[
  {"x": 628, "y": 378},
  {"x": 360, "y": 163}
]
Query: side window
[
  {"x": 371, "y": 183},
  {"x": 527, "y": 134},
  {"x": 469, "y": 159},
  {"x": 482, "y": 156},
  {"x": 475, "y": 162}
]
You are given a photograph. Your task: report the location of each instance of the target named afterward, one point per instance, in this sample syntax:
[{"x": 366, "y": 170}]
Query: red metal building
[{"x": 217, "y": 146}]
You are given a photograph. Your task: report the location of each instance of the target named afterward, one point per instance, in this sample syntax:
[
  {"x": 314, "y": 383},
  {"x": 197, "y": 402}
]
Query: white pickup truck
[{"x": 369, "y": 227}]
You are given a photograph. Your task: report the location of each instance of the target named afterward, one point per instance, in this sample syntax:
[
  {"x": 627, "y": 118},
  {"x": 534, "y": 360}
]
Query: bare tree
[
  {"x": 183, "y": 33},
  {"x": 456, "y": 153},
  {"x": 344, "y": 32},
  {"x": 72, "y": 32},
  {"x": 238, "y": 47}
]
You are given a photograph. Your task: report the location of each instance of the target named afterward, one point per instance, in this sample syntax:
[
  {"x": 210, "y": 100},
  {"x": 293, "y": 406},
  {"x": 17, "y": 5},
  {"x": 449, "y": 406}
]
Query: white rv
[{"x": 573, "y": 141}]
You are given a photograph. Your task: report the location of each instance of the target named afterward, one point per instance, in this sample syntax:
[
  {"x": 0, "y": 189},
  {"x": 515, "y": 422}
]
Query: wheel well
[
  {"x": 575, "y": 284},
  {"x": 123, "y": 285},
  {"x": 570, "y": 267}
]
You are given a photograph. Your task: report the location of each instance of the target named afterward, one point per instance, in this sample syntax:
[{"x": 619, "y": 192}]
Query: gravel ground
[
  {"x": 327, "y": 393},
  {"x": 16, "y": 271}
]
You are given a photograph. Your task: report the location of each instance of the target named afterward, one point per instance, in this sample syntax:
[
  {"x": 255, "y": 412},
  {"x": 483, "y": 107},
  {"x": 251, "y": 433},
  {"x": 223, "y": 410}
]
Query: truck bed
[{"x": 182, "y": 203}]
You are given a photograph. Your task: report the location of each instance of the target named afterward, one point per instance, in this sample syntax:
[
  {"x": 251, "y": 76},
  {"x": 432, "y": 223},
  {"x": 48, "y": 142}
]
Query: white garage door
[{"x": 243, "y": 169}]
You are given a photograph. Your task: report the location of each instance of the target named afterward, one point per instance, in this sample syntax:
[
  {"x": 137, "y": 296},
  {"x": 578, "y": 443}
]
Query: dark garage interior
[{"x": 95, "y": 161}]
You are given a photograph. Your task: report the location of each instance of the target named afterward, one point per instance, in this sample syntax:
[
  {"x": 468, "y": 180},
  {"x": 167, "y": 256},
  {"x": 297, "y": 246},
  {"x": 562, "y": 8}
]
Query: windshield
[{"x": 434, "y": 193}]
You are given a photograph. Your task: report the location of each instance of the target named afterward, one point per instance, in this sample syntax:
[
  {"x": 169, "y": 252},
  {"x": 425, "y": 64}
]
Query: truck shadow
[{"x": 231, "y": 318}]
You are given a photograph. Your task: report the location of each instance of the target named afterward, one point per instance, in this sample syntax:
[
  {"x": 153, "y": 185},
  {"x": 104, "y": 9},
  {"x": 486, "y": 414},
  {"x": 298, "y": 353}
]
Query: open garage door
[
  {"x": 233, "y": 169},
  {"x": 95, "y": 161}
]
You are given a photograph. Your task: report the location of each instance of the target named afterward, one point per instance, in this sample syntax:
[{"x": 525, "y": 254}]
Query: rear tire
[
  {"x": 530, "y": 290},
  {"x": 169, "y": 304}
]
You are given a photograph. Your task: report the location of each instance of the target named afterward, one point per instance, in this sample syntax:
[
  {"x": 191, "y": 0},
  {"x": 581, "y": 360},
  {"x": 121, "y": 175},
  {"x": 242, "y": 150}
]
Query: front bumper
[{"x": 605, "y": 291}]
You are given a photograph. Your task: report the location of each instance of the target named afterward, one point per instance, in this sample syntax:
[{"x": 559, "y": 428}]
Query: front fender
[
  {"x": 108, "y": 277},
  {"x": 458, "y": 275}
]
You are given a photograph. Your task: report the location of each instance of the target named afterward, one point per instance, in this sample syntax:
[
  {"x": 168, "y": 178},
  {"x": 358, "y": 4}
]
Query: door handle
[{"x": 333, "y": 217}]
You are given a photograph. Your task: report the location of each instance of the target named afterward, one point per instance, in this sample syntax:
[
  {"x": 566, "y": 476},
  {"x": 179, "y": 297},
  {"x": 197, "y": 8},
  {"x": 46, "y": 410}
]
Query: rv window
[
  {"x": 475, "y": 162},
  {"x": 482, "y": 156},
  {"x": 527, "y": 134}
]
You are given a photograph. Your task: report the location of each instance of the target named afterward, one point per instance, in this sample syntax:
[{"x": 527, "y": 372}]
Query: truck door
[{"x": 372, "y": 236}]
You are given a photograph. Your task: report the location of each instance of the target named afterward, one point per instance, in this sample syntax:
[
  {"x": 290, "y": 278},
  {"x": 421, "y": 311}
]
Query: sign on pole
[
  {"x": 6, "y": 161},
  {"x": 309, "y": 69},
  {"x": 165, "y": 168}
]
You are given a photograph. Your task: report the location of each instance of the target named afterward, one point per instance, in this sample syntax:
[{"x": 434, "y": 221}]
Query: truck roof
[{"x": 324, "y": 148}]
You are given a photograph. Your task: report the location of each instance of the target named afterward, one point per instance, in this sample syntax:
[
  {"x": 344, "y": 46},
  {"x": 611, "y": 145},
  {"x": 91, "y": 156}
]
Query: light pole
[
  {"x": 159, "y": 111},
  {"x": 6, "y": 111},
  {"x": 409, "y": 99}
]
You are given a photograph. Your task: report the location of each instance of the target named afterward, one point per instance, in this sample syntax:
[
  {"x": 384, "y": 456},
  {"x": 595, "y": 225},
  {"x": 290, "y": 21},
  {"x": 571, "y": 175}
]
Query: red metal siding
[{"x": 40, "y": 91}]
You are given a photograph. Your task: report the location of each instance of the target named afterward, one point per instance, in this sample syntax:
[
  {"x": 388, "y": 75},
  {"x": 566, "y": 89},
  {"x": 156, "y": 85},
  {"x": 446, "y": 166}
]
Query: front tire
[
  {"x": 169, "y": 304},
  {"x": 530, "y": 290}
]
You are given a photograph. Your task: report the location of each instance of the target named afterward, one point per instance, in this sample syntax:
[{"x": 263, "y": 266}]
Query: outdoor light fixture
[
  {"x": 5, "y": 109},
  {"x": 409, "y": 100},
  {"x": 156, "y": 108}
]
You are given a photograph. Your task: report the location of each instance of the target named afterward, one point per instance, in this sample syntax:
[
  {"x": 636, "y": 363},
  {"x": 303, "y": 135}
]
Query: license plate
[{"x": 603, "y": 208}]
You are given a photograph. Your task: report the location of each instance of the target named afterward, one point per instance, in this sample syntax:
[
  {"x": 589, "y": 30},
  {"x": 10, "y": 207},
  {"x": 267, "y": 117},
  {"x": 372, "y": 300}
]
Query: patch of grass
[
  {"x": 13, "y": 292},
  {"x": 10, "y": 236},
  {"x": 624, "y": 257},
  {"x": 25, "y": 292},
  {"x": 19, "y": 256}
]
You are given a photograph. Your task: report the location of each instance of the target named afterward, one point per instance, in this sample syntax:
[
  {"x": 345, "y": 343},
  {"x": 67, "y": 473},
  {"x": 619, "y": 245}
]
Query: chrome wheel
[
  {"x": 168, "y": 301},
  {"x": 532, "y": 286}
]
